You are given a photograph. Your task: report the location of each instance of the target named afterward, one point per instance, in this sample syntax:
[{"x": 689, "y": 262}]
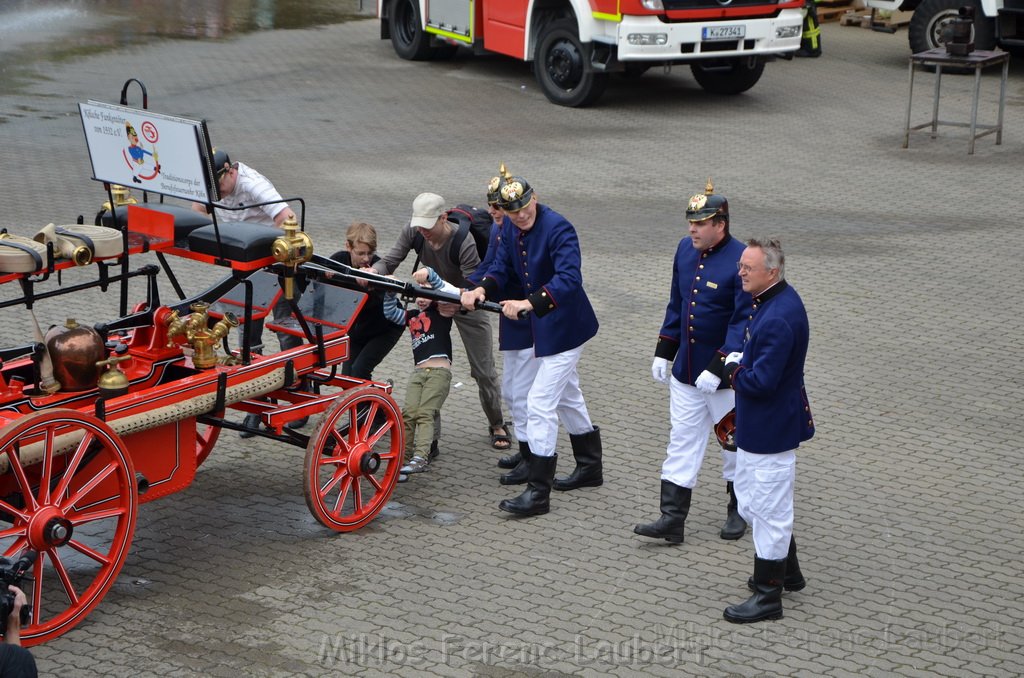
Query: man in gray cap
[{"x": 430, "y": 226}]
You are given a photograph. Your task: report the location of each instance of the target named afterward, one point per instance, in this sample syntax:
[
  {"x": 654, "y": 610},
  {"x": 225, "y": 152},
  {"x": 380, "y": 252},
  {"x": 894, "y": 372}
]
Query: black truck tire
[
  {"x": 729, "y": 76},
  {"x": 560, "y": 66},
  {"x": 407, "y": 35}
]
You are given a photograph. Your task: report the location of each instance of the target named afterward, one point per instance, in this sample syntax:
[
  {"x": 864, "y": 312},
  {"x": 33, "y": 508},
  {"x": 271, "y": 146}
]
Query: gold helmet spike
[
  {"x": 709, "y": 188},
  {"x": 504, "y": 172}
]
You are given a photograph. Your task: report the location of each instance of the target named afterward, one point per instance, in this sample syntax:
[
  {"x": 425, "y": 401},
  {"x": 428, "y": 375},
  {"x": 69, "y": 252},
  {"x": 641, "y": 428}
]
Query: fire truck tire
[
  {"x": 407, "y": 35},
  {"x": 69, "y": 497},
  {"x": 730, "y": 76},
  {"x": 560, "y": 66},
  {"x": 353, "y": 459},
  {"x": 932, "y": 16}
]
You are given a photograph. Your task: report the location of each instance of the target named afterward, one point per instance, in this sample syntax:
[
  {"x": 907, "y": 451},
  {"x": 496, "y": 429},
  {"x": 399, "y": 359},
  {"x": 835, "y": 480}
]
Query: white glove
[
  {"x": 707, "y": 382},
  {"x": 661, "y": 370},
  {"x": 733, "y": 357}
]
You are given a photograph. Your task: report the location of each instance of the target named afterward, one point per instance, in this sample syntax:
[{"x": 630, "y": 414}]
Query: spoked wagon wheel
[
  {"x": 206, "y": 438},
  {"x": 68, "y": 496},
  {"x": 352, "y": 460}
]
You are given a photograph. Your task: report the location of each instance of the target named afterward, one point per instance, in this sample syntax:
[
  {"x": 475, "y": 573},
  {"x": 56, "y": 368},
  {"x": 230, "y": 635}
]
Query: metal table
[{"x": 977, "y": 60}]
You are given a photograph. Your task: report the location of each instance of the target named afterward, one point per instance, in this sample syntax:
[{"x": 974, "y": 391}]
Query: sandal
[{"x": 501, "y": 441}]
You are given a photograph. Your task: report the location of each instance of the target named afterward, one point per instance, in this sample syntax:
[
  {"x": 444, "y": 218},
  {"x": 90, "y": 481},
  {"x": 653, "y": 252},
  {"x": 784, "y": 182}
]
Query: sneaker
[
  {"x": 434, "y": 452},
  {"x": 402, "y": 477},
  {"x": 416, "y": 465}
]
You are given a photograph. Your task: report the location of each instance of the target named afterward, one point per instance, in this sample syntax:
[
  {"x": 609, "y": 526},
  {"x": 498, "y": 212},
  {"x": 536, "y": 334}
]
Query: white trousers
[
  {"x": 694, "y": 415},
  {"x": 519, "y": 369},
  {"x": 764, "y": 492},
  {"x": 555, "y": 394}
]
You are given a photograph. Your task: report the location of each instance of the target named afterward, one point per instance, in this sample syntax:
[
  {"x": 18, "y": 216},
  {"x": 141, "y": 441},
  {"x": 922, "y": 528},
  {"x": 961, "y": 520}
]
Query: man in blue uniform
[
  {"x": 704, "y": 322},
  {"x": 541, "y": 252},
  {"x": 515, "y": 341},
  {"x": 772, "y": 418}
]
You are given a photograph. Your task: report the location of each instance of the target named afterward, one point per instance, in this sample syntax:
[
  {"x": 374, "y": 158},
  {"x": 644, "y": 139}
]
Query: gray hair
[{"x": 774, "y": 257}]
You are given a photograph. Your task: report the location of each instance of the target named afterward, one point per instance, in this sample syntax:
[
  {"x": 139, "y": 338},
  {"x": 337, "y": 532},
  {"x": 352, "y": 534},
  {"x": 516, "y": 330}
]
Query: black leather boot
[
  {"x": 675, "y": 506},
  {"x": 586, "y": 448},
  {"x": 794, "y": 579},
  {"x": 520, "y": 473},
  {"x": 252, "y": 424},
  {"x": 734, "y": 526},
  {"x": 766, "y": 603},
  {"x": 535, "y": 499},
  {"x": 511, "y": 460}
]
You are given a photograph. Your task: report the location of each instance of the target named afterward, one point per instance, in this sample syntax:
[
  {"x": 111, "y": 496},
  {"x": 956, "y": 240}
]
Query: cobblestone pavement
[{"x": 905, "y": 259}]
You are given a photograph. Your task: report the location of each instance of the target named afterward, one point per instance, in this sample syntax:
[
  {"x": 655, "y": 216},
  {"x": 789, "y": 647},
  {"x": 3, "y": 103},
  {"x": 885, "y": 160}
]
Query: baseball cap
[
  {"x": 426, "y": 208},
  {"x": 221, "y": 163}
]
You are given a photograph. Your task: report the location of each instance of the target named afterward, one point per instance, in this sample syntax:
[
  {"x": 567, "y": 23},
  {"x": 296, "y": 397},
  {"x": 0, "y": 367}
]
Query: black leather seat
[{"x": 242, "y": 241}]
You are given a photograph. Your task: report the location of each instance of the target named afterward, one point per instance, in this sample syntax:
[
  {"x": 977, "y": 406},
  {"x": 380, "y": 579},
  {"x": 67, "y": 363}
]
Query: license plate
[{"x": 724, "y": 32}]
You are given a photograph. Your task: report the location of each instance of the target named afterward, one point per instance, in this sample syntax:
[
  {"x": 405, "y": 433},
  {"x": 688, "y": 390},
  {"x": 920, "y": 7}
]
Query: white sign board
[{"x": 142, "y": 149}]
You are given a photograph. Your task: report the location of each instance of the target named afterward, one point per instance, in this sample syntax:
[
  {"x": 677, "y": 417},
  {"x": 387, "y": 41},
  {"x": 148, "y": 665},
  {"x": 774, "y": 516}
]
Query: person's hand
[
  {"x": 707, "y": 382},
  {"x": 447, "y": 309},
  {"x": 511, "y": 308},
  {"x": 471, "y": 297},
  {"x": 661, "y": 370},
  {"x": 13, "y": 635},
  {"x": 733, "y": 357},
  {"x": 421, "y": 276}
]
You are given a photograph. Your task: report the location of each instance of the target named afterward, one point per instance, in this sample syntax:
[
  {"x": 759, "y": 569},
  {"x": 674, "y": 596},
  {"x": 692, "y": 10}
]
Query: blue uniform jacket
[
  {"x": 772, "y": 412},
  {"x": 546, "y": 262},
  {"x": 513, "y": 335},
  {"x": 707, "y": 309}
]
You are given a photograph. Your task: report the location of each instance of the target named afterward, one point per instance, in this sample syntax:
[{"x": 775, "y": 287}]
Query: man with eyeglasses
[
  {"x": 772, "y": 418},
  {"x": 703, "y": 324},
  {"x": 540, "y": 252}
]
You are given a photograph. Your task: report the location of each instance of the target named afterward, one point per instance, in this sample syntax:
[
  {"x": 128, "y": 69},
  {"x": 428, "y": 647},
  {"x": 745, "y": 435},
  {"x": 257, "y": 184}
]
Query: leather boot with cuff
[
  {"x": 535, "y": 499},
  {"x": 586, "y": 449},
  {"x": 794, "y": 579},
  {"x": 675, "y": 506},
  {"x": 519, "y": 474},
  {"x": 734, "y": 527},
  {"x": 766, "y": 603}
]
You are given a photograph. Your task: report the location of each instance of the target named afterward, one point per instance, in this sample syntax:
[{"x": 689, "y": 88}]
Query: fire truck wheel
[
  {"x": 931, "y": 18},
  {"x": 407, "y": 35},
  {"x": 560, "y": 66},
  {"x": 729, "y": 76},
  {"x": 353, "y": 458},
  {"x": 69, "y": 499}
]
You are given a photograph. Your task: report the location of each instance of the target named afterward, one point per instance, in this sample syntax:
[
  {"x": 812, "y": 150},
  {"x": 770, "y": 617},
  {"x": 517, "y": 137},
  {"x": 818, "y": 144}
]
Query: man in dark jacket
[{"x": 772, "y": 418}]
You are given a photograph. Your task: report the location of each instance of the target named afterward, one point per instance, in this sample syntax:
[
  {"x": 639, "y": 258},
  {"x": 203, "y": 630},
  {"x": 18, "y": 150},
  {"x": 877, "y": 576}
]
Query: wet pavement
[{"x": 905, "y": 499}]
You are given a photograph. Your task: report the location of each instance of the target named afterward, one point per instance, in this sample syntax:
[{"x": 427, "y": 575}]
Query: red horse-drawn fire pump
[{"x": 96, "y": 420}]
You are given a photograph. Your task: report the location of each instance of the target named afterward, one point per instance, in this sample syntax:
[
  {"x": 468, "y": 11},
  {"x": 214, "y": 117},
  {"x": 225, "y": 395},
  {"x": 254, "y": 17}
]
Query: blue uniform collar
[{"x": 772, "y": 291}]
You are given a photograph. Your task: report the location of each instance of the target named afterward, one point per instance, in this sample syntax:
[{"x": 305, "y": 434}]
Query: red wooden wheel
[
  {"x": 206, "y": 438},
  {"x": 352, "y": 460},
  {"x": 68, "y": 495}
]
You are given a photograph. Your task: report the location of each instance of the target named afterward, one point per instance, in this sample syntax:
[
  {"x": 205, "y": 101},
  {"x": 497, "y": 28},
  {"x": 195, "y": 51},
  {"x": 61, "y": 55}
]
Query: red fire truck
[{"x": 576, "y": 44}]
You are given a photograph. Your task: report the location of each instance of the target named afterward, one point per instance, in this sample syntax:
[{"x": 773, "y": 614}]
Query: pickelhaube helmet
[
  {"x": 494, "y": 190},
  {"x": 707, "y": 204},
  {"x": 725, "y": 431},
  {"x": 515, "y": 192}
]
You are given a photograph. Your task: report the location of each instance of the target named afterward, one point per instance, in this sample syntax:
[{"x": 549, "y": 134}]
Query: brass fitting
[
  {"x": 200, "y": 337},
  {"x": 122, "y": 196},
  {"x": 291, "y": 249},
  {"x": 113, "y": 382}
]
